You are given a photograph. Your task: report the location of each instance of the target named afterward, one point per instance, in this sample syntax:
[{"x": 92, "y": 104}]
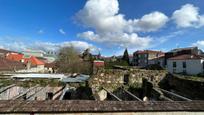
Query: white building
[
  {"x": 186, "y": 64},
  {"x": 36, "y": 53}
]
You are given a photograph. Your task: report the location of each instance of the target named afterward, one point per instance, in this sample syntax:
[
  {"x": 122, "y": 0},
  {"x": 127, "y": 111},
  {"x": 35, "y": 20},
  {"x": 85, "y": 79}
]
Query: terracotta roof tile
[
  {"x": 34, "y": 61},
  {"x": 14, "y": 56}
]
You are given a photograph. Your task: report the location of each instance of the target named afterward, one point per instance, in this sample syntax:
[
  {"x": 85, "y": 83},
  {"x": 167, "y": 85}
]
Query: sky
[{"x": 105, "y": 26}]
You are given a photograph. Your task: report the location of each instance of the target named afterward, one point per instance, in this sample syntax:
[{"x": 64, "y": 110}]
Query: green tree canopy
[{"x": 126, "y": 56}]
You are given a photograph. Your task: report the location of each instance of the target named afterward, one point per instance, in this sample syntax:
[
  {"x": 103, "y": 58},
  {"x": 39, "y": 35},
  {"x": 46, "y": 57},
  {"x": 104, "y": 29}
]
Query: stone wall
[
  {"x": 155, "y": 76},
  {"x": 114, "y": 78},
  {"x": 189, "y": 88}
]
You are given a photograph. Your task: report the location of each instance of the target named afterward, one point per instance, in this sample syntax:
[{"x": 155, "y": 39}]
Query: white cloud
[
  {"x": 199, "y": 43},
  {"x": 20, "y": 44},
  {"x": 62, "y": 31},
  {"x": 149, "y": 22},
  {"x": 79, "y": 45},
  {"x": 120, "y": 39},
  {"x": 112, "y": 28},
  {"x": 188, "y": 16}
]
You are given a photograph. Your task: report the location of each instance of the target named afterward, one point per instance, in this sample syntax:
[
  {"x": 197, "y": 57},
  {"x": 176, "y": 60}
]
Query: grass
[
  {"x": 31, "y": 83},
  {"x": 190, "y": 77},
  {"x": 6, "y": 82}
]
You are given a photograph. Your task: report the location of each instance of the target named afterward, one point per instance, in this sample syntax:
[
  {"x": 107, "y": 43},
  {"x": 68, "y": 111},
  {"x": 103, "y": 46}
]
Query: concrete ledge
[{"x": 77, "y": 106}]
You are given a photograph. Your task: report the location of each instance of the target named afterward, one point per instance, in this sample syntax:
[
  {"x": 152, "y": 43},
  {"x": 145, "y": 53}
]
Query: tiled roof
[
  {"x": 187, "y": 57},
  {"x": 148, "y": 51},
  {"x": 14, "y": 56},
  {"x": 19, "y": 57},
  {"x": 9, "y": 65},
  {"x": 180, "y": 49},
  {"x": 4, "y": 51},
  {"x": 34, "y": 61},
  {"x": 74, "y": 106},
  {"x": 98, "y": 63}
]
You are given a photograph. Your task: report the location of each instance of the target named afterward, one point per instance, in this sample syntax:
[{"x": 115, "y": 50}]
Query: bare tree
[{"x": 69, "y": 61}]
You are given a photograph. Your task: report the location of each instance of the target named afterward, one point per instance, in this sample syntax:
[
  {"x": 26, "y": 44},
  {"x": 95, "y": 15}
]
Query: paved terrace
[{"x": 56, "y": 106}]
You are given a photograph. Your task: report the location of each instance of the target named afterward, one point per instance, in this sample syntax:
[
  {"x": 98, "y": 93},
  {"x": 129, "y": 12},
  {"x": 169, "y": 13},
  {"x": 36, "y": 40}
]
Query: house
[
  {"x": 98, "y": 63},
  {"x": 4, "y": 52},
  {"x": 50, "y": 67},
  {"x": 9, "y": 65},
  {"x": 15, "y": 57},
  {"x": 141, "y": 58},
  {"x": 187, "y": 64},
  {"x": 36, "y": 53},
  {"x": 32, "y": 62},
  {"x": 181, "y": 51},
  {"x": 131, "y": 59},
  {"x": 35, "y": 62}
]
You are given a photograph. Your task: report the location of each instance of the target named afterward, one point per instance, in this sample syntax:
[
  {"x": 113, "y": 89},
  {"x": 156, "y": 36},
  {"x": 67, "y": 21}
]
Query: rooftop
[
  {"x": 148, "y": 51},
  {"x": 187, "y": 57},
  {"x": 8, "y": 65},
  {"x": 180, "y": 49},
  {"x": 4, "y": 51},
  {"x": 56, "y": 106}
]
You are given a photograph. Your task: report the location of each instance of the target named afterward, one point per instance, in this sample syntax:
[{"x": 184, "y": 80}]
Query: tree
[
  {"x": 86, "y": 55},
  {"x": 126, "y": 56},
  {"x": 69, "y": 61}
]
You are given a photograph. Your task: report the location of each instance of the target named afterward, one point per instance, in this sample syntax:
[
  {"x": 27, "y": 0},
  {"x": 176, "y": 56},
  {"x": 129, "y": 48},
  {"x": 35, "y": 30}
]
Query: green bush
[{"x": 109, "y": 65}]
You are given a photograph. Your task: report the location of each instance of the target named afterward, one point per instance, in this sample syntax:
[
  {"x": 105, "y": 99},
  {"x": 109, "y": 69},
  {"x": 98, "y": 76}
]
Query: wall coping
[{"x": 78, "y": 106}]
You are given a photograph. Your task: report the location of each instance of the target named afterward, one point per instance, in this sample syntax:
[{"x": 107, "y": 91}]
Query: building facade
[
  {"x": 181, "y": 51},
  {"x": 142, "y": 58},
  {"x": 186, "y": 64}
]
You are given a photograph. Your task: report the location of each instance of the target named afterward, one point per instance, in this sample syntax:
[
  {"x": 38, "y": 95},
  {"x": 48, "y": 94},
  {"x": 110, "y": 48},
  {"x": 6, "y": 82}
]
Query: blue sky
[{"x": 107, "y": 26}]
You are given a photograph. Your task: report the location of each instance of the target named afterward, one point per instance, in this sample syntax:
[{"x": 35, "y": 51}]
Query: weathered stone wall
[
  {"x": 155, "y": 76},
  {"x": 113, "y": 79},
  {"x": 188, "y": 88}
]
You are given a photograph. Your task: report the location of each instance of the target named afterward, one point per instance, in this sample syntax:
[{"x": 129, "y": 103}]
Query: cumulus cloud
[
  {"x": 61, "y": 31},
  {"x": 120, "y": 39},
  {"x": 79, "y": 45},
  {"x": 199, "y": 43},
  {"x": 188, "y": 16},
  {"x": 149, "y": 22},
  {"x": 111, "y": 27},
  {"x": 15, "y": 44}
]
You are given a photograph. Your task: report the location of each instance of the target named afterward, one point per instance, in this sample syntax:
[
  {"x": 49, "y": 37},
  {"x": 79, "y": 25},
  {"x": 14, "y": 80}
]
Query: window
[
  {"x": 184, "y": 64},
  {"x": 174, "y": 64}
]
